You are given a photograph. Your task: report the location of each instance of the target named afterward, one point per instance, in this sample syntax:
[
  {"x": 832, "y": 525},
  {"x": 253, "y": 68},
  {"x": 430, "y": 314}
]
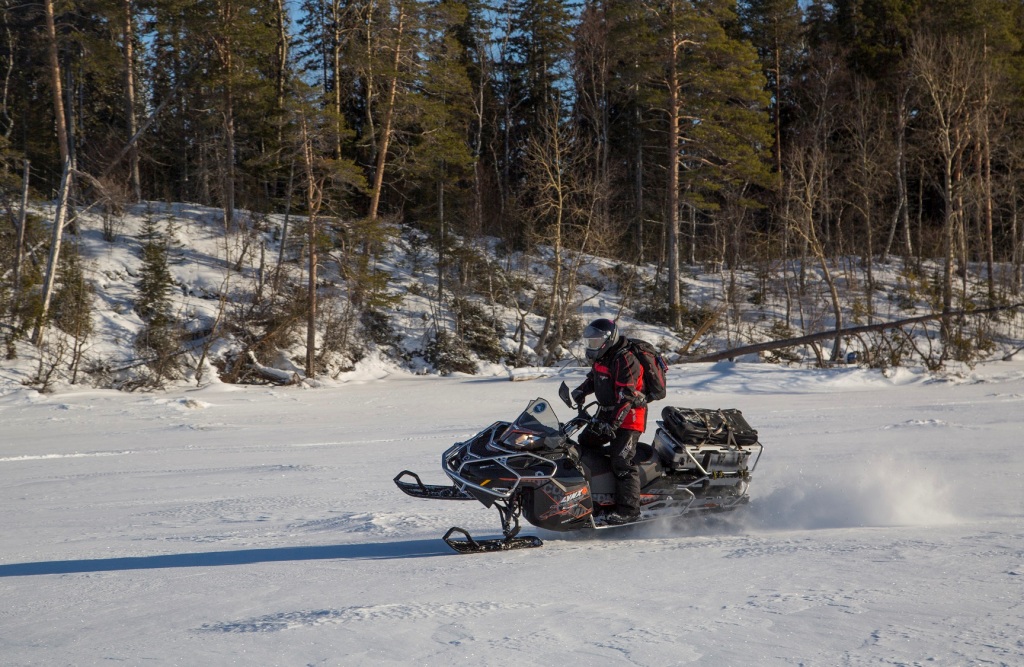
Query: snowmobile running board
[
  {"x": 474, "y": 546},
  {"x": 418, "y": 489}
]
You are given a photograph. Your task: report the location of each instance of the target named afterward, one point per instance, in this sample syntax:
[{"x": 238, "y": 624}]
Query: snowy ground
[{"x": 260, "y": 526}]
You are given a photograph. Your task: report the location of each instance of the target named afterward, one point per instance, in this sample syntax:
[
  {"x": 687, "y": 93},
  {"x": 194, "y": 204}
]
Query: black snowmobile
[{"x": 701, "y": 461}]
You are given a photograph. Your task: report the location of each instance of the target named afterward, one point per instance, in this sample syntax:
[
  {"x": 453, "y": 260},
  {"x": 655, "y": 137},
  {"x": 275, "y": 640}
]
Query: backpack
[{"x": 654, "y": 367}]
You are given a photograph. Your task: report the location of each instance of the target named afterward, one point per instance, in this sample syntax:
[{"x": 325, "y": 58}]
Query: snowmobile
[{"x": 701, "y": 461}]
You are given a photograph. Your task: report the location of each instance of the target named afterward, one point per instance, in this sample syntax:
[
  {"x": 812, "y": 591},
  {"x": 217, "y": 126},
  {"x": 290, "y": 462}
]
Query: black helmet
[{"x": 599, "y": 336}]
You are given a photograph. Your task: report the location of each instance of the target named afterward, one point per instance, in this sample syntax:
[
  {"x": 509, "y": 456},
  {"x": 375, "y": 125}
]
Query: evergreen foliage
[
  {"x": 779, "y": 136},
  {"x": 448, "y": 354},
  {"x": 160, "y": 339},
  {"x": 72, "y": 307}
]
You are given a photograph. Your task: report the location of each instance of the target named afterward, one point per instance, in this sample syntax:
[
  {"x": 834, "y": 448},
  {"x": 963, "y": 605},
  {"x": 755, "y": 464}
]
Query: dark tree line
[{"x": 764, "y": 134}]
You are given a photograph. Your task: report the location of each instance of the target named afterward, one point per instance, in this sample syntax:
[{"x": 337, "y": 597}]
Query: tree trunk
[
  {"x": 672, "y": 220},
  {"x": 639, "y": 183},
  {"x": 440, "y": 243},
  {"x": 902, "y": 174},
  {"x": 336, "y": 73},
  {"x": 837, "y": 310},
  {"x": 55, "y": 82},
  {"x": 869, "y": 254},
  {"x": 228, "y": 100},
  {"x": 65, "y": 180},
  {"x": 478, "y": 149},
  {"x": 129, "y": 99},
  {"x": 986, "y": 158},
  {"x": 901, "y": 212},
  {"x": 1018, "y": 251},
  {"x": 777, "y": 52},
  {"x": 229, "y": 150},
  {"x": 947, "y": 237},
  {"x": 312, "y": 206},
  {"x": 19, "y": 250},
  {"x": 986, "y": 175},
  {"x": 282, "y": 60},
  {"x": 389, "y": 113},
  {"x": 284, "y": 228},
  {"x": 550, "y": 162},
  {"x": 51, "y": 265}
]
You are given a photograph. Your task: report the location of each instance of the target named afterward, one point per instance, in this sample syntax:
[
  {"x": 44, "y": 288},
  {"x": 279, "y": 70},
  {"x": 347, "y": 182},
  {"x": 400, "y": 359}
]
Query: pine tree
[
  {"x": 439, "y": 154},
  {"x": 774, "y": 28},
  {"x": 218, "y": 63},
  {"x": 532, "y": 77},
  {"x": 159, "y": 341},
  {"x": 72, "y": 307},
  {"x": 709, "y": 91}
]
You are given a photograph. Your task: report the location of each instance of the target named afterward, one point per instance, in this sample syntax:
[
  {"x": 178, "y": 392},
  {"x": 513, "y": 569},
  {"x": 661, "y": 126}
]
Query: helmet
[{"x": 599, "y": 336}]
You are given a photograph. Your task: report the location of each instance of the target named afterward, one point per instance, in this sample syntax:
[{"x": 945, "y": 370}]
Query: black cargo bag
[{"x": 702, "y": 426}]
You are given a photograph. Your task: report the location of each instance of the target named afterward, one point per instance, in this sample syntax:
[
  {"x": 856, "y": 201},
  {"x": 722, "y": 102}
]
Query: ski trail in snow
[
  {"x": 397, "y": 612},
  {"x": 73, "y": 455}
]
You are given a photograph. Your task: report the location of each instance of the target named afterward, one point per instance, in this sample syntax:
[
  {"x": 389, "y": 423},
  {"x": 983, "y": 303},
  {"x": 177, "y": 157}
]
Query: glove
[
  {"x": 578, "y": 395},
  {"x": 603, "y": 430}
]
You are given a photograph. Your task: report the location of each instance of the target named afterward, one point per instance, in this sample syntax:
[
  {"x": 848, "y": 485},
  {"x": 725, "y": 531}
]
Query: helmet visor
[{"x": 595, "y": 342}]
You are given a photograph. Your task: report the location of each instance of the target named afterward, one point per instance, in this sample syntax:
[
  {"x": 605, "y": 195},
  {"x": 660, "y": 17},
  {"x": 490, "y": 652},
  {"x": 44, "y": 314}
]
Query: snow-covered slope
[
  {"x": 260, "y": 526},
  {"x": 209, "y": 263}
]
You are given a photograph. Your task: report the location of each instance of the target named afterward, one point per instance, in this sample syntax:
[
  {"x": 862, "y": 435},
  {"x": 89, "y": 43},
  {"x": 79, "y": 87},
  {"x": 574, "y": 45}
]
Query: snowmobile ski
[
  {"x": 470, "y": 545},
  {"x": 418, "y": 489}
]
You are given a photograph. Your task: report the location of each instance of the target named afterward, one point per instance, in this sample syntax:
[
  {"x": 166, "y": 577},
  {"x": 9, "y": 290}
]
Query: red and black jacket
[{"x": 617, "y": 382}]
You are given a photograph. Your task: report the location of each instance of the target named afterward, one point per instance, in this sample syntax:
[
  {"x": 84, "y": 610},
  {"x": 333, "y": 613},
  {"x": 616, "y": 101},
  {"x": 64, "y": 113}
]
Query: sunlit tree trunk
[
  {"x": 281, "y": 74},
  {"x": 674, "y": 110},
  {"x": 313, "y": 201},
  {"x": 60, "y": 120},
  {"x": 129, "y": 99},
  {"x": 19, "y": 249},
  {"x": 389, "y": 114}
]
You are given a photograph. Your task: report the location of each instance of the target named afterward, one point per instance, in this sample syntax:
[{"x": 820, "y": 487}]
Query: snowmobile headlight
[
  {"x": 524, "y": 441},
  {"x": 521, "y": 440}
]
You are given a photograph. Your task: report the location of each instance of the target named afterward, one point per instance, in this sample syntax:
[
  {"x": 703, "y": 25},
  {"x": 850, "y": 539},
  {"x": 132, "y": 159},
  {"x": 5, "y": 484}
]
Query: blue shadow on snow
[{"x": 368, "y": 551}]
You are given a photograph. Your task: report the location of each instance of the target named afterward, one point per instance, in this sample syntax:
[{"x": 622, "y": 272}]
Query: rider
[{"x": 616, "y": 380}]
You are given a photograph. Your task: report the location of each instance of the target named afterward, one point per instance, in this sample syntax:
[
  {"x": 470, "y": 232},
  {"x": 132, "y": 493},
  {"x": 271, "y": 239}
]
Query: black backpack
[{"x": 654, "y": 367}]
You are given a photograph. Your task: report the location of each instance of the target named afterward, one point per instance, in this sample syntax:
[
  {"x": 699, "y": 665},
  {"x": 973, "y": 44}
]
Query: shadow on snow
[{"x": 368, "y": 551}]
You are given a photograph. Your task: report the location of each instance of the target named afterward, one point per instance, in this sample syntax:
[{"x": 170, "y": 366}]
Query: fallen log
[{"x": 851, "y": 331}]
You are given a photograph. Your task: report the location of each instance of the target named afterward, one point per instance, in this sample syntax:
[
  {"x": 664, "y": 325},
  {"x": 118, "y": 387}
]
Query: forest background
[{"x": 820, "y": 158}]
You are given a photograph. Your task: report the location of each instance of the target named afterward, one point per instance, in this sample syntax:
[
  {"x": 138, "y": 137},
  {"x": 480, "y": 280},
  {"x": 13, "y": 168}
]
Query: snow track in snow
[
  {"x": 73, "y": 455},
  {"x": 388, "y": 612}
]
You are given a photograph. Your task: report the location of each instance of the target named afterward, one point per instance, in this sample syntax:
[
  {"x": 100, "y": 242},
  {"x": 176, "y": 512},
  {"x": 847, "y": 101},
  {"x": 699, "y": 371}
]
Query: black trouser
[{"x": 621, "y": 449}]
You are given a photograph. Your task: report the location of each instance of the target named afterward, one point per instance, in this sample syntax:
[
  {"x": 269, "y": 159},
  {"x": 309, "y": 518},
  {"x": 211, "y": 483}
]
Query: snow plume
[{"x": 884, "y": 493}]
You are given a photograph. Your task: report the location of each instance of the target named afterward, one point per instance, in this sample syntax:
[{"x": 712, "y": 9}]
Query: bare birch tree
[
  {"x": 66, "y": 176},
  {"x": 948, "y": 69}
]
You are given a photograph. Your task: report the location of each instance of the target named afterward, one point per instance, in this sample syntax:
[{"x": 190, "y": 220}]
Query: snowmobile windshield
[{"x": 536, "y": 427}]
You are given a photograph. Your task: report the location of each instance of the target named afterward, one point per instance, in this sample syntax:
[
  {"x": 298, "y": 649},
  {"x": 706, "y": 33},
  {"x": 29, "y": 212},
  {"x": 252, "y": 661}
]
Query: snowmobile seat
[
  {"x": 649, "y": 463},
  {"x": 599, "y": 469},
  {"x": 644, "y": 452}
]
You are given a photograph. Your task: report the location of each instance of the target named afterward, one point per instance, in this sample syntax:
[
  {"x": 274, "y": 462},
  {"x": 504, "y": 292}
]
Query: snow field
[{"x": 260, "y": 526}]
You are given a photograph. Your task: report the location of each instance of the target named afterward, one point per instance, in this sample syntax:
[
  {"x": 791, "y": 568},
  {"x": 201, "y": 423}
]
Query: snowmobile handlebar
[{"x": 583, "y": 416}]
